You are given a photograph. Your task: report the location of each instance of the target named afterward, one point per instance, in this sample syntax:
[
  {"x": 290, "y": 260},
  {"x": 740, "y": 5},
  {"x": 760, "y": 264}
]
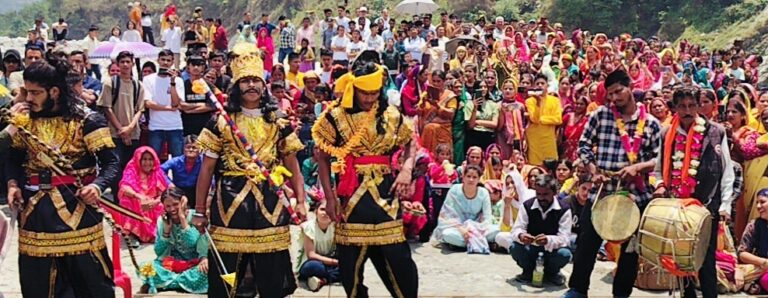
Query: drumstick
[{"x": 597, "y": 196}]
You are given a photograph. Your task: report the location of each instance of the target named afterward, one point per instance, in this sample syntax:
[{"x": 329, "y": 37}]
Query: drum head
[{"x": 615, "y": 217}]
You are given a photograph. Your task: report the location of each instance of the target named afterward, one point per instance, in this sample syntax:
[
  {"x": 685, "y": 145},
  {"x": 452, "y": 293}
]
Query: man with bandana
[
  {"x": 249, "y": 222},
  {"x": 61, "y": 160},
  {"x": 362, "y": 132}
]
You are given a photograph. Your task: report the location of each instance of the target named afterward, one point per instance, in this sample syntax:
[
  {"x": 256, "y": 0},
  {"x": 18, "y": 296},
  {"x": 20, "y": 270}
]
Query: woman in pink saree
[
  {"x": 265, "y": 44},
  {"x": 140, "y": 189}
]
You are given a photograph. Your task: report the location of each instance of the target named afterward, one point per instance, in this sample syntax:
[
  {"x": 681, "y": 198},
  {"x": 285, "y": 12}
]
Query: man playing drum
[
  {"x": 695, "y": 163},
  {"x": 626, "y": 139}
]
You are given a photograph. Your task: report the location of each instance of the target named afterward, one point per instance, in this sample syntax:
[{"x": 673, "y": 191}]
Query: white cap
[{"x": 363, "y": 8}]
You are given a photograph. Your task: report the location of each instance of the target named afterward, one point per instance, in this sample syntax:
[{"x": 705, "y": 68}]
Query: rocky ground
[{"x": 442, "y": 273}]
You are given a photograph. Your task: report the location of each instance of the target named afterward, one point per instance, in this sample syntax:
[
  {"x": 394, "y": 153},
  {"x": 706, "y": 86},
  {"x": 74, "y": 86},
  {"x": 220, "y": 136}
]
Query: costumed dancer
[
  {"x": 249, "y": 220},
  {"x": 695, "y": 163},
  {"x": 362, "y": 132},
  {"x": 57, "y": 168},
  {"x": 627, "y": 141}
]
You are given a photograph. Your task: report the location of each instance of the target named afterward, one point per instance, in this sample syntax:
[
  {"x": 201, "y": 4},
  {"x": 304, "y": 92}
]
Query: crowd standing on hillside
[{"x": 481, "y": 136}]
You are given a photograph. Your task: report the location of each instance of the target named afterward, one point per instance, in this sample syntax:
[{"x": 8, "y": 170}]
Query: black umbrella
[{"x": 467, "y": 40}]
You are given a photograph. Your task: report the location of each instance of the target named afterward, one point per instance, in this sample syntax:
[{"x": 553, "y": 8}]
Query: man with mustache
[
  {"x": 606, "y": 152},
  {"x": 62, "y": 251},
  {"x": 709, "y": 177},
  {"x": 249, "y": 223},
  {"x": 362, "y": 131}
]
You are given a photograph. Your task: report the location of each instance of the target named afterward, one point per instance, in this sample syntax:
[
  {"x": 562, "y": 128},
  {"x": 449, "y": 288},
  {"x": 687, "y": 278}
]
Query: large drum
[
  {"x": 675, "y": 233},
  {"x": 615, "y": 217}
]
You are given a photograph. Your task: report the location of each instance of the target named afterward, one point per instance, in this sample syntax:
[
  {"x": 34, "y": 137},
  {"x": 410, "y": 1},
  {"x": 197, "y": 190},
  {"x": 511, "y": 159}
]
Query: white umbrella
[{"x": 414, "y": 7}]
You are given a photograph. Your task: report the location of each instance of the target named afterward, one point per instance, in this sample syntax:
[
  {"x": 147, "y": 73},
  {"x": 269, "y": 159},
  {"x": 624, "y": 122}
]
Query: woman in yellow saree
[
  {"x": 751, "y": 150},
  {"x": 437, "y": 110}
]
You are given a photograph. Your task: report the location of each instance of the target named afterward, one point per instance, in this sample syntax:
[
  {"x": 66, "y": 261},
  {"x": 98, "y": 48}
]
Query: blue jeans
[
  {"x": 316, "y": 268},
  {"x": 283, "y": 52},
  {"x": 526, "y": 255},
  {"x": 175, "y": 139}
]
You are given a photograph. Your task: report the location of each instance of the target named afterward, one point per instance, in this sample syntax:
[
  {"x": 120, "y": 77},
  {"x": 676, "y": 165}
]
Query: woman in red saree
[
  {"x": 574, "y": 123},
  {"x": 140, "y": 189},
  {"x": 265, "y": 44},
  {"x": 437, "y": 111}
]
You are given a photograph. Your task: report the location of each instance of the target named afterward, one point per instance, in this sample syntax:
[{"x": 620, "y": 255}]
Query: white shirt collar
[
  {"x": 252, "y": 112},
  {"x": 555, "y": 206}
]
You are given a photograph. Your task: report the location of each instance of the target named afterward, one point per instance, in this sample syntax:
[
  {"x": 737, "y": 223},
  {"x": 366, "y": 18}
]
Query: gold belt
[
  {"x": 370, "y": 234},
  {"x": 251, "y": 241},
  {"x": 39, "y": 244}
]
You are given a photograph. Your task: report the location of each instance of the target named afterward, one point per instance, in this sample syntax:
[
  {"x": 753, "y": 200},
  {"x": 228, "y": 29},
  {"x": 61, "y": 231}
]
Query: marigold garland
[
  {"x": 631, "y": 146},
  {"x": 199, "y": 87},
  {"x": 340, "y": 153},
  {"x": 685, "y": 160}
]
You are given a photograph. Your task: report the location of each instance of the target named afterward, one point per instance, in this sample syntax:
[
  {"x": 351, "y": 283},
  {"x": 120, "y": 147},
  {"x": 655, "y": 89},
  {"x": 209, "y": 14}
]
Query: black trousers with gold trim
[
  {"x": 67, "y": 276},
  {"x": 393, "y": 262},
  {"x": 271, "y": 272}
]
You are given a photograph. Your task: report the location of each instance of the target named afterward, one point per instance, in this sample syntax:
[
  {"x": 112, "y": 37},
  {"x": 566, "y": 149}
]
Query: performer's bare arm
[
  {"x": 297, "y": 180},
  {"x": 203, "y": 187},
  {"x": 324, "y": 174}
]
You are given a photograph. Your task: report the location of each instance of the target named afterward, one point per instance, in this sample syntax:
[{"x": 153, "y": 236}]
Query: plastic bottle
[{"x": 538, "y": 273}]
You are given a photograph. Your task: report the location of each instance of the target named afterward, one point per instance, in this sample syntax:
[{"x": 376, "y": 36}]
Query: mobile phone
[
  {"x": 535, "y": 92},
  {"x": 162, "y": 72},
  {"x": 521, "y": 89},
  {"x": 478, "y": 94},
  {"x": 721, "y": 110},
  {"x": 433, "y": 43}
]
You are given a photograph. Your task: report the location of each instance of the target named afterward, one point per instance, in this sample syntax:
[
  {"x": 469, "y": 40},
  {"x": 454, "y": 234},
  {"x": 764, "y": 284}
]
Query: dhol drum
[
  {"x": 615, "y": 217},
  {"x": 674, "y": 234}
]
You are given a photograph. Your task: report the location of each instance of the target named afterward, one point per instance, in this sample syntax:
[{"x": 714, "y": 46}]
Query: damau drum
[
  {"x": 615, "y": 217},
  {"x": 674, "y": 234}
]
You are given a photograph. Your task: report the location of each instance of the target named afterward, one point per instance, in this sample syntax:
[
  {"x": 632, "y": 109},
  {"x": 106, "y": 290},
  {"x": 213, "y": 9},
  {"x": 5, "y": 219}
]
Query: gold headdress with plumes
[{"x": 247, "y": 62}]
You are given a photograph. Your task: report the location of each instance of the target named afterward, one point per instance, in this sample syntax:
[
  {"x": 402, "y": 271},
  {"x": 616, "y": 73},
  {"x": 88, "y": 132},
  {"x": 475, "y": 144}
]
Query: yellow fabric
[
  {"x": 754, "y": 181},
  {"x": 541, "y": 133},
  {"x": 348, "y": 82},
  {"x": 296, "y": 79},
  {"x": 247, "y": 62}
]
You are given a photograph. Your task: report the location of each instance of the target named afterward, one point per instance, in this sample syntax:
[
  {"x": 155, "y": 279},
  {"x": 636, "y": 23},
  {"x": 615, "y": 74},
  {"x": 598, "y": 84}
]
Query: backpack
[{"x": 116, "y": 91}]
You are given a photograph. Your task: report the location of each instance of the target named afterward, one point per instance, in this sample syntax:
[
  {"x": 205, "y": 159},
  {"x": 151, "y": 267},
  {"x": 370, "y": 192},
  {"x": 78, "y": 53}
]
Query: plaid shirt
[
  {"x": 287, "y": 38},
  {"x": 602, "y": 134},
  {"x": 738, "y": 183}
]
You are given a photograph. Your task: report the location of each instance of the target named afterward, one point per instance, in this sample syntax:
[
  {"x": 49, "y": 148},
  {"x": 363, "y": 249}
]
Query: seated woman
[
  {"x": 140, "y": 189},
  {"x": 181, "y": 262},
  {"x": 465, "y": 219},
  {"x": 319, "y": 267},
  {"x": 753, "y": 249},
  {"x": 185, "y": 169}
]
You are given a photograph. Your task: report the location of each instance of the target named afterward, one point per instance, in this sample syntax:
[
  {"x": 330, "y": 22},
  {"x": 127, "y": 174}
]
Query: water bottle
[{"x": 538, "y": 273}]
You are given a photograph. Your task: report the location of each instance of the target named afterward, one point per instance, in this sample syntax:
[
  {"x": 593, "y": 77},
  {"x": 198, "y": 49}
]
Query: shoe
[
  {"x": 315, "y": 283},
  {"x": 573, "y": 294},
  {"x": 524, "y": 278},
  {"x": 556, "y": 279},
  {"x": 134, "y": 243}
]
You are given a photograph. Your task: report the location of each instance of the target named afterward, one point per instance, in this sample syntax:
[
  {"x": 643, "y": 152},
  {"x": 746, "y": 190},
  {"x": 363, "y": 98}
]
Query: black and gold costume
[
  {"x": 372, "y": 226},
  {"x": 62, "y": 252},
  {"x": 249, "y": 225}
]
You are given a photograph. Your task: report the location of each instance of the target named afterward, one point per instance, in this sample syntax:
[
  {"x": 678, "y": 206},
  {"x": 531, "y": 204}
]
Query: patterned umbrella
[
  {"x": 414, "y": 7},
  {"x": 109, "y": 50}
]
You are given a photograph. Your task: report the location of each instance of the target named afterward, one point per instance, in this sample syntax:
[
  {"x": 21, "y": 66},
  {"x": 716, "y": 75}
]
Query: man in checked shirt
[{"x": 619, "y": 158}]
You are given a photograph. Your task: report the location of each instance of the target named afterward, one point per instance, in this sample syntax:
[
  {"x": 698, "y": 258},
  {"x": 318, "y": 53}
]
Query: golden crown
[{"x": 247, "y": 62}]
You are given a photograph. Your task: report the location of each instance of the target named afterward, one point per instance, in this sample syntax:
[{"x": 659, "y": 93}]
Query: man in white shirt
[
  {"x": 326, "y": 62},
  {"x": 91, "y": 41},
  {"x": 543, "y": 226},
  {"x": 362, "y": 13},
  {"x": 383, "y": 21},
  {"x": 498, "y": 30},
  {"x": 414, "y": 44},
  {"x": 375, "y": 41},
  {"x": 162, "y": 97},
  {"x": 339, "y": 45},
  {"x": 172, "y": 39},
  {"x": 342, "y": 20}
]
